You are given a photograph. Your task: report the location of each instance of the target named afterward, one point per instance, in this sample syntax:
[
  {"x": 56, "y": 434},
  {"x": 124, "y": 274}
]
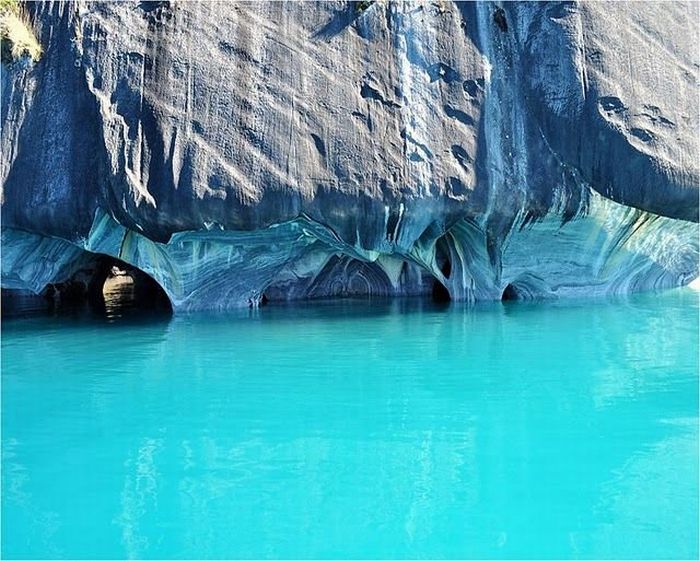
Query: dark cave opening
[
  {"x": 446, "y": 268},
  {"x": 119, "y": 285},
  {"x": 442, "y": 256},
  {"x": 510, "y": 293},
  {"x": 107, "y": 285},
  {"x": 440, "y": 293}
]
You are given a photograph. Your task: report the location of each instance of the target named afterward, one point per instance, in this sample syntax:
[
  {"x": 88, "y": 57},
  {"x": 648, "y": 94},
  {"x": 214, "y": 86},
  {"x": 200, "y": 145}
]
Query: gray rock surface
[{"x": 310, "y": 149}]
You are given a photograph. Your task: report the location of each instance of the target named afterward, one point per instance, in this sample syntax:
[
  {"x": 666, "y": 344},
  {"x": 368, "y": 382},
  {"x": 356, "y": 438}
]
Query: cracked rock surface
[{"x": 313, "y": 149}]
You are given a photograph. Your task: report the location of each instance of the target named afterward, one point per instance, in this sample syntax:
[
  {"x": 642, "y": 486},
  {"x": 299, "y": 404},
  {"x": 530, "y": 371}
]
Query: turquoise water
[{"x": 355, "y": 430}]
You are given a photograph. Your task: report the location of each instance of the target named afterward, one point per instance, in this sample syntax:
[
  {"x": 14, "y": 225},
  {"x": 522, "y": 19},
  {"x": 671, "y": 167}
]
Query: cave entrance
[
  {"x": 510, "y": 292},
  {"x": 117, "y": 286},
  {"x": 103, "y": 284},
  {"x": 440, "y": 292}
]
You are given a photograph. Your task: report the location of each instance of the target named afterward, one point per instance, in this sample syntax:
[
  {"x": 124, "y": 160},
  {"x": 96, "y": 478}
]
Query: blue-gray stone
[{"x": 311, "y": 149}]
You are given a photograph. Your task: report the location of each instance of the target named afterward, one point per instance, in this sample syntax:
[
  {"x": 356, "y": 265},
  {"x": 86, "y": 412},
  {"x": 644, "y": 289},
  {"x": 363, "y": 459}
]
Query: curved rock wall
[{"x": 293, "y": 150}]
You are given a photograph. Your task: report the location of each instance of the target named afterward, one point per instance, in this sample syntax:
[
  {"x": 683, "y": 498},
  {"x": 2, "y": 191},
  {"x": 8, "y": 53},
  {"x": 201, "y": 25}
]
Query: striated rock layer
[{"x": 238, "y": 152}]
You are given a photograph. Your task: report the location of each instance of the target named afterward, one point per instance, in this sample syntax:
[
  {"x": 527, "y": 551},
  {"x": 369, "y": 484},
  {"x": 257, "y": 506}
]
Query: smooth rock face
[{"x": 295, "y": 150}]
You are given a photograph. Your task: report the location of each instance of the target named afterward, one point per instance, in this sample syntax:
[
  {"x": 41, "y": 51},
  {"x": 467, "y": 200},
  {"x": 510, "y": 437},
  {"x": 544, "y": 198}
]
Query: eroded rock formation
[{"x": 244, "y": 151}]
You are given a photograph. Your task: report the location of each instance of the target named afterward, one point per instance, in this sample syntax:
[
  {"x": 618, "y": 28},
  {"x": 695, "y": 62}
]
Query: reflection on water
[
  {"x": 382, "y": 429},
  {"x": 127, "y": 296},
  {"x": 121, "y": 298}
]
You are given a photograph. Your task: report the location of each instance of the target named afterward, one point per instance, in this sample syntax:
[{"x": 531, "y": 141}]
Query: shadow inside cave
[
  {"x": 127, "y": 290},
  {"x": 107, "y": 287}
]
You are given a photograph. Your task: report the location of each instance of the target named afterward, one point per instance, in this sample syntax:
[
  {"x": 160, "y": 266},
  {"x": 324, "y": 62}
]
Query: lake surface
[{"x": 355, "y": 429}]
